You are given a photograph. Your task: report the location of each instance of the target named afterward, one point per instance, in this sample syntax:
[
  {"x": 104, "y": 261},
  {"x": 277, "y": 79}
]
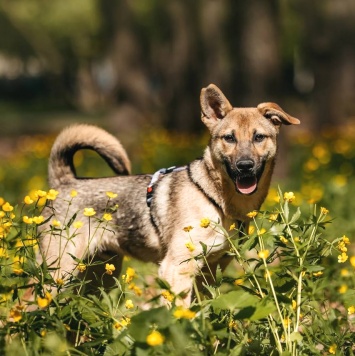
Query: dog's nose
[{"x": 245, "y": 166}]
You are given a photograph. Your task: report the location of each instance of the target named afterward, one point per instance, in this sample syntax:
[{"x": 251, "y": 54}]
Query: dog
[{"x": 229, "y": 181}]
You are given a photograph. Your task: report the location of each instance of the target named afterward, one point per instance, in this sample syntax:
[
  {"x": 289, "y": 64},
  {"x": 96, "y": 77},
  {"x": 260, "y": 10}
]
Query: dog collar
[{"x": 156, "y": 176}]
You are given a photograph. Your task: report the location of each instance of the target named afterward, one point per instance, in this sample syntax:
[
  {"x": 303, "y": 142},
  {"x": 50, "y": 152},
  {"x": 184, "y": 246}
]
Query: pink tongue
[{"x": 246, "y": 185}]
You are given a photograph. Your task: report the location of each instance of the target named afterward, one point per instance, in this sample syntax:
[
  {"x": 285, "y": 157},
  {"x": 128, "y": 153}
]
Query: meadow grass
[{"x": 288, "y": 291}]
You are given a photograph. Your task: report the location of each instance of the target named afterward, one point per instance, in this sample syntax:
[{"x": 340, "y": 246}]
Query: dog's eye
[
  {"x": 229, "y": 138},
  {"x": 259, "y": 137}
]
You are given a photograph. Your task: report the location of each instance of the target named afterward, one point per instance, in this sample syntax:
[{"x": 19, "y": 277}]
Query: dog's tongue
[{"x": 246, "y": 185}]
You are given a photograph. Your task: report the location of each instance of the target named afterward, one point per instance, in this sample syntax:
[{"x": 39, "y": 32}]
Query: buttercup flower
[
  {"x": 252, "y": 214},
  {"x": 27, "y": 200},
  {"x": 81, "y": 267},
  {"x": 59, "y": 281},
  {"x": 342, "y": 258},
  {"x": 232, "y": 227},
  {"x": 129, "y": 304},
  {"x": 40, "y": 194},
  {"x": 27, "y": 220},
  {"x": 317, "y": 274},
  {"x": 38, "y": 219},
  {"x": 89, "y": 212},
  {"x": 136, "y": 289},
  {"x": 52, "y": 194},
  {"x": 15, "y": 315},
  {"x": 264, "y": 254},
  {"x": 351, "y": 310},
  {"x": 107, "y": 217},
  {"x": 283, "y": 240},
  {"x": 324, "y": 211},
  {"x": 55, "y": 223},
  {"x": 130, "y": 274},
  {"x": 289, "y": 196},
  {"x": 111, "y": 195},
  {"x": 238, "y": 281},
  {"x": 205, "y": 222},
  {"x": 167, "y": 295},
  {"x": 78, "y": 224},
  {"x": 343, "y": 289},
  {"x": 190, "y": 246},
  {"x": 182, "y": 313},
  {"x": 7, "y": 207},
  {"x": 332, "y": 349},
  {"x": 155, "y": 338},
  {"x": 44, "y": 302},
  {"x": 73, "y": 193},
  {"x": 352, "y": 261},
  {"x": 187, "y": 228},
  {"x": 109, "y": 268}
]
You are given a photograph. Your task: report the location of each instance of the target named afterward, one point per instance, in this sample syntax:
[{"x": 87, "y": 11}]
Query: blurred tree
[{"x": 146, "y": 61}]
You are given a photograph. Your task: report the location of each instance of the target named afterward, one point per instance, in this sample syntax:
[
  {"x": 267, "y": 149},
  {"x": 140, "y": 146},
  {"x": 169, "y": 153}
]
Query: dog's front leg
[{"x": 180, "y": 275}]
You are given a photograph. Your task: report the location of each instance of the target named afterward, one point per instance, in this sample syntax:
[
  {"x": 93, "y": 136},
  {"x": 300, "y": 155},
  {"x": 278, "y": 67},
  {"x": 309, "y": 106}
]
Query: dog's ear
[
  {"x": 214, "y": 105},
  {"x": 276, "y": 115}
]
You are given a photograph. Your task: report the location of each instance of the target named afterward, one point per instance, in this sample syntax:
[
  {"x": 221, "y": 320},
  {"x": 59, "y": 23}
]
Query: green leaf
[
  {"x": 234, "y": 300},
  {"x": 295, "y": 216},
  {"x": 296, "y": 336},
  {"x": 263, "y": 309}
]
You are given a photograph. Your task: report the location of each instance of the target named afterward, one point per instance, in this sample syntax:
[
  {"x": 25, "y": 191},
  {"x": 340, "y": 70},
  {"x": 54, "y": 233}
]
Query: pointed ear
[
  {"x": 214, "y": 105},
  {"x": 276, "y": 115}
]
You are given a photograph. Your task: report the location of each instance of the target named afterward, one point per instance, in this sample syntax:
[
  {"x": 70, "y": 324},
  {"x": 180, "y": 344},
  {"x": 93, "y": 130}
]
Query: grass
[{"x": 289, "y": 290}]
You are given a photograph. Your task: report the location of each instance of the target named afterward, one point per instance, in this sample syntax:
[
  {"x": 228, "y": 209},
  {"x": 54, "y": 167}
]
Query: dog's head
[{"x": 244, "y": 139}]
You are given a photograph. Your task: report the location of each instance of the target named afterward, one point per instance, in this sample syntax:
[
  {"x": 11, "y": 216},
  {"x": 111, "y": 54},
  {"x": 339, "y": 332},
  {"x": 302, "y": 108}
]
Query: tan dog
[{"x": 229, "y": 181}]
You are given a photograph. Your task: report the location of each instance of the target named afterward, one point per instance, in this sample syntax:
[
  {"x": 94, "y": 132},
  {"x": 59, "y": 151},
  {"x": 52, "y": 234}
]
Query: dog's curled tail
[{"x": 61, "y": 168}]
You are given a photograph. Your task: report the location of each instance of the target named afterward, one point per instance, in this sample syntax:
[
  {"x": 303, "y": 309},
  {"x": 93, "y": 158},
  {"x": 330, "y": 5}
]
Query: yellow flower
[
  {"x": 252, "y": 214},
  {"x": 155, "y": 338},
  {"x": 18, "y": 271},
  {"x": 332, "y": 349},
  {"x": 182, "y": 313},
  {"x": 122, "y": 323},
  {"x": 15, "y": 315},
  {"x": 107, "y": 217},
  {"x": 73, "y": 193},
  {"x": 27, "y": 220},
  {"x": 342, "y": 258},
  {"x": 78, "y": 224},
  {"x": 286, "y": 322},
  {"x": 3, "y": 253},
  {"x": 289, "y": 196},
  {"x": 7, "y": 207},
  {"x": 27, "y": 200},
  {"x": 2, "y": 214},
  {"x": 317, "y": 274},
  {"x": 167, "y": 295},
  {"x": 264, "y": 254},
  {"x": 324, "y": 211},
  {"x": 44, "y": 302},
  {"x": 130, "y": 274},
  {"x": 89, "y": 212},
  {"x": 238, "y": 281},
  {"x": 273, "y": 217},
  {"x": 59, "y": 281},
  {"x": 38, "y": 219},
  {"x": 129, "y": 304},
  {"x": 81, "y": 267},
  {"x": 232, "y": 227},
  {"x": 187, "y": 228},
  {"x": 136, "y": 289},
  {"x": 190, "y": 246},
  {"x": 109, "y": 268},
  {"x": 111, "y": 195},
  {"x": 294, "y": 304},
  {"x": 351, "y": 310},
  {"x": 55, "y": 223},
  {"x": 40, "y": 194},
  {"x": 345, "y": 240},
  {"x": 52, "y": 194},
  {"x": 205, "y": 222},
  {"x": 283, "y": 240},
  {"x": 344, "y": 272},
  {"x": 343, "y": 289}
]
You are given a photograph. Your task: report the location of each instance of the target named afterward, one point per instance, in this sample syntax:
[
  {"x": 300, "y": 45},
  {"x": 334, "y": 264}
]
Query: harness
[{"x": 156, "y": 176}]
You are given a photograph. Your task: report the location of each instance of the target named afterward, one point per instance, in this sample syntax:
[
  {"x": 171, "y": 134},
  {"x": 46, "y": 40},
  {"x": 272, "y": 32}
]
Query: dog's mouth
[{"x": 246, "y": 185}]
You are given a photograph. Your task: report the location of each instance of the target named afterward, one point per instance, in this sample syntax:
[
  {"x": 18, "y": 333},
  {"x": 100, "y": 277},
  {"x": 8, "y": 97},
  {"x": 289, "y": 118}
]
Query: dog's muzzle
[{"x": 246, "y": 180}]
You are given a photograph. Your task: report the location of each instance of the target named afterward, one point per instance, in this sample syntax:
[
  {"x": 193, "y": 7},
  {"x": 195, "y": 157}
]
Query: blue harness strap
[{"x": 156, "y": 176}]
